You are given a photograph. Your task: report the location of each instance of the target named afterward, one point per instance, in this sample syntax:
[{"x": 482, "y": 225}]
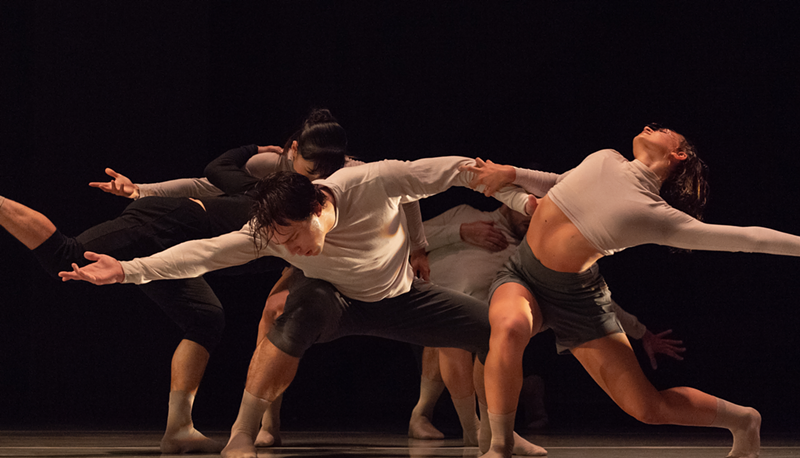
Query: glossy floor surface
[{"x": 88, "y": 444}]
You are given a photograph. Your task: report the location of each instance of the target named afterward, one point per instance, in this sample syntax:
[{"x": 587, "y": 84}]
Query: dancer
[
  {"x": 466, "y": 249},
  {"x": 151, "y": 224},
  {"x": 607, "y": 204},
  {"x": 348, "y": 231}
]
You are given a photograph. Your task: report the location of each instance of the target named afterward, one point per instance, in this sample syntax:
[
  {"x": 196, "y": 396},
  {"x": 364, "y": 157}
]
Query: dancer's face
[
  {"x": 301, "y": 238},
  {"x": 656, "y": 143},
  {"x": 300, "y": 164}
]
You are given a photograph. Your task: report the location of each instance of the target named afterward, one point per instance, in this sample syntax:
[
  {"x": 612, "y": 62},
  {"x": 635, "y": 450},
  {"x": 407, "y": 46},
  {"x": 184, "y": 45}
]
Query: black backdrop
[{"x": 157, "y": 89}]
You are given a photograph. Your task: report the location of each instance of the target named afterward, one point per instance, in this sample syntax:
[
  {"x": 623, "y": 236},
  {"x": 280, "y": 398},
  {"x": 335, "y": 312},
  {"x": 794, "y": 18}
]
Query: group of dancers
[{"x": 352, "y": 245}]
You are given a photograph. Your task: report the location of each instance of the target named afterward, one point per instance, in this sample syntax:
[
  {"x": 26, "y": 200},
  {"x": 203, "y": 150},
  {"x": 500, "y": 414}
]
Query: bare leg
[
  {"x": 430, "y": 388},
  {"x": 457, "y": 371},
  {"x": 188, "y": 366},
  {"x": 271, "y": 371},
  {"x": 270, "y": 433},
  {"x": 515, "y": 318},
  {"x": 25, "y": 224},
  {"x": 612, "y": 364}
]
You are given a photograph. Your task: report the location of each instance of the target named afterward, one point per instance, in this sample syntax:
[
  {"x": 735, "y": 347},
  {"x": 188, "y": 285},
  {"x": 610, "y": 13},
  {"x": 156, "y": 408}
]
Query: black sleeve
[{"x": 227, "y": 171}]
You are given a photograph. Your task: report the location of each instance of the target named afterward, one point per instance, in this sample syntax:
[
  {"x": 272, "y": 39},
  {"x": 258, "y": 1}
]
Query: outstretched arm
[{"x": 495, "y": 176}]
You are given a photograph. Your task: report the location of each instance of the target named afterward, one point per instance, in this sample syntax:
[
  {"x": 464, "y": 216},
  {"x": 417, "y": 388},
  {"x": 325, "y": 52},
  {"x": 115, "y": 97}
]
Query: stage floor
[{"x": 133, "y": 444}]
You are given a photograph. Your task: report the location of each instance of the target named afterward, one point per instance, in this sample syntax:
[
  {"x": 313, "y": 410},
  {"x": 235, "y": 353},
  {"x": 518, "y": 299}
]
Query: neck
[{"x": 328, "y": 216}]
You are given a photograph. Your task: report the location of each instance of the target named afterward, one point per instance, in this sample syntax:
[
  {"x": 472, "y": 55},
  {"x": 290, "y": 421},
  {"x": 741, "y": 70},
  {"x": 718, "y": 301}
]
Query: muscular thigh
[
  {"x": 612, "y": 364},
  {"x": 513, "y": 306}
]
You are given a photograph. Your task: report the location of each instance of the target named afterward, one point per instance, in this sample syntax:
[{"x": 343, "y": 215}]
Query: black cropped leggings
[{"x": 147, "y": 226}]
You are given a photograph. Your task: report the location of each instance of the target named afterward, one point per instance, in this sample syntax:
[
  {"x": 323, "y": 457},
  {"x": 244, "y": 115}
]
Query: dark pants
[
  {"x": 428, "y": 315},
  {"x": 147, "y": 226}
]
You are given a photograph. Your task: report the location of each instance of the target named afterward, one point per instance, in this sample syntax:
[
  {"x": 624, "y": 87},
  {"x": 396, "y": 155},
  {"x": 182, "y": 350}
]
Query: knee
[
  {"x": 649, "y": 412},
  {"x": 511, "y": 327},
  {"x": 207, "y": 327}
]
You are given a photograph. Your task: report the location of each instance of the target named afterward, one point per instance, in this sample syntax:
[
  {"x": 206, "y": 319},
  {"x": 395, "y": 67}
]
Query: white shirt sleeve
[
  {"x": 195, "y": 258},
  {"x": 182, "y": 187},
  {"x": 685, "y": 232},
  {"x": 444, "y": 229},
  {"x": 416, "y": 232},
  {"x": 426, "y": 177},
  {"x": 535, "y": 181}
]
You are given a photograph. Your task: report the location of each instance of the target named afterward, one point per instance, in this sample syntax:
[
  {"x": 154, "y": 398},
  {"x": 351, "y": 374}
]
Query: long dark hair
[
  {"x": 280, "y": 199},
  {"x": 322, "y": 141}
]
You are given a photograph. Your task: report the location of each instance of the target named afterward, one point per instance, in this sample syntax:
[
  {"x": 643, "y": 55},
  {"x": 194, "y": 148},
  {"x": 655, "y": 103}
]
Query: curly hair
[{"x": 280, "y": 199}]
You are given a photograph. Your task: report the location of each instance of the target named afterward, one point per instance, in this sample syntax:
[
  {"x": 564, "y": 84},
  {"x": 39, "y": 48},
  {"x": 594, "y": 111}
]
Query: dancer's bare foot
[
  {"x": 188, "y": 440},
  {"x": 420, "y": 427}
]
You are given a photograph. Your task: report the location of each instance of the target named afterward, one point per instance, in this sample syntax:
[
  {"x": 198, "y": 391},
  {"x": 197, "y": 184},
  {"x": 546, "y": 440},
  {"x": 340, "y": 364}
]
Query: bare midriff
[{"x": 556, "y": 242}]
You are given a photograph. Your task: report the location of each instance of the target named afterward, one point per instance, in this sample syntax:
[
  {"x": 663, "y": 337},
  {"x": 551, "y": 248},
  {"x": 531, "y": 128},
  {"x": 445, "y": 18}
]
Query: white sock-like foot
[
  {"x": 485, "y": 430},
  {"x": 270, "y": 433},
  {"x": 420, "y": 425},
  {"x": 244, "y": 430},
  {"x": 180, "y": 435},
  {"x": 465, "y": 408},
  {"x": 502, "y": 432},
  {"x": 745, "y": 425},
  {"x": 525, "y": 448}
]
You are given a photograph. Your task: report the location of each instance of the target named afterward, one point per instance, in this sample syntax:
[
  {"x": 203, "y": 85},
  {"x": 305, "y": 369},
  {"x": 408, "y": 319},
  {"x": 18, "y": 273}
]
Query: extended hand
[
  {"x": 419, "y": 262},
  {"x": 656, "y": 343},
  {"x": 119, "y": 186},
  {"x": 105, "y": 270},
  {"x": 483, "y": 234},
  {"x": 487, "y": 173}
]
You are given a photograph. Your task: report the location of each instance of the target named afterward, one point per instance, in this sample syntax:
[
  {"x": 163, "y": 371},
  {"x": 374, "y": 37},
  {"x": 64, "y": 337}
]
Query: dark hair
[
  {"x": 322, "y": 141},
  {"x": 280, "y": 199},
  {"x": 686, "y": 188}
]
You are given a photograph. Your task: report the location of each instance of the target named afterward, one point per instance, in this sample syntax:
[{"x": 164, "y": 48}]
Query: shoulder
[{"x": 262, "y": 164}]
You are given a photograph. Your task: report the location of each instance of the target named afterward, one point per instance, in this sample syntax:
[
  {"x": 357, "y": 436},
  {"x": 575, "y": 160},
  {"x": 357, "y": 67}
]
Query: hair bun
[{"x": 319, "y": 116}]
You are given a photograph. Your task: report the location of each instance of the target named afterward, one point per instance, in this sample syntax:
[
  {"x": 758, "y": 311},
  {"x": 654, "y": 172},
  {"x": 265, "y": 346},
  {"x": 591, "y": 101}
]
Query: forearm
[
  {"x": 182, "y": 187},
  {"x": 630, "y": 324},
  {"x": 228, "y": 173},
  {"x": 534, "y": 181},
  {"x": 416, "y": 231},
  {"x": 193, "y": 258},
  {"x": 426, "y": 177}
]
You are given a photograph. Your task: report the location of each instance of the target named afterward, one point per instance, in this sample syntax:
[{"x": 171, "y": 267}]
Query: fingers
[
  {"x": 91, "y": 255},
  {"x": 110, "y": 172},
  {"x": 74, "y": 274}
]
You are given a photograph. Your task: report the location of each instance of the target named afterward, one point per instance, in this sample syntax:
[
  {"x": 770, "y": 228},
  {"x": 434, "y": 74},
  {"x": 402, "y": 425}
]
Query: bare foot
[
  {"x": 188, "y": 440},
  {"x": 420, "y": 427},
  {"x": 239, "y": 446}
]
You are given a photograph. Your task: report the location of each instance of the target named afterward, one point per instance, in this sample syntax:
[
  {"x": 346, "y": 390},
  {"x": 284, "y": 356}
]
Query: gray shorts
[
  {"x": 427, "y": 315},
  {"x": 576, "y": 306}
]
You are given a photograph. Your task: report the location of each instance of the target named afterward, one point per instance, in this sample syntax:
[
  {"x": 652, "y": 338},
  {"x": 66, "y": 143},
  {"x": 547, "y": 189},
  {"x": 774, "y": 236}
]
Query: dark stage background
[{"x": 157, "y": 89}]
